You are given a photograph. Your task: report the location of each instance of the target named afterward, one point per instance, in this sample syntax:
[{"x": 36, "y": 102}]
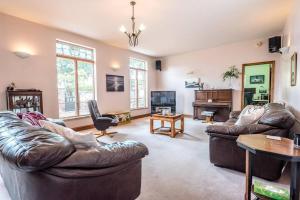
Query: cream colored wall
[
  {"x": 39, "y": 71},
  {"x": 209, "y": 64},
  {"x": 291, "y": 37}
]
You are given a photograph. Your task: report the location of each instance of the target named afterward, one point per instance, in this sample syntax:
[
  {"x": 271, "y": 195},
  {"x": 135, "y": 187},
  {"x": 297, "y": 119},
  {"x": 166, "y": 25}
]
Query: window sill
[
  {"x": 139, "y": 109},
  {"x": 76, "y": 117}
]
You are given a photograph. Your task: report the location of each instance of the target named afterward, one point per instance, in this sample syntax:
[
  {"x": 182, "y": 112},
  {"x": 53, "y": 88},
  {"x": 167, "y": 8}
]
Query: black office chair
[{"x": 101, "y": 122}]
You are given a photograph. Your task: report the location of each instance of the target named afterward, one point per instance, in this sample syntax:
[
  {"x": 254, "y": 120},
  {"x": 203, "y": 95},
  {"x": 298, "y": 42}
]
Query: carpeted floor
[{"x": 178, "y": 168}]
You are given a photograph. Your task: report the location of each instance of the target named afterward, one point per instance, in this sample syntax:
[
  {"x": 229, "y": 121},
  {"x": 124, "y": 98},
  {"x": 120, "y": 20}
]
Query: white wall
[
  {"x": 291, "y": 37},
  {"x": 39, "y": 71},
  {"x": 209, "y": 64}
]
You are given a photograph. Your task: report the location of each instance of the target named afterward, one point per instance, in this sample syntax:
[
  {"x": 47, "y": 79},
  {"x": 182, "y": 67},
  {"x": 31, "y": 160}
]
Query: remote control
[{"x": 273, "y": 137}]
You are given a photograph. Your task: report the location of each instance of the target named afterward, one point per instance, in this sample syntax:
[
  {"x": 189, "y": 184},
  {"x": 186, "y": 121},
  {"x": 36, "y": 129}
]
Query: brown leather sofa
[
  {"x": 224, "y": 151},
  {"x": 36, "y": 164}
]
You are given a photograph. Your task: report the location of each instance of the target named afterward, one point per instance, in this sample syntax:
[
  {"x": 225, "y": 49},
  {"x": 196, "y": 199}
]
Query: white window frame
[
  {"x": 136, "y": 79},
  {"x": 76, "y": 60}
]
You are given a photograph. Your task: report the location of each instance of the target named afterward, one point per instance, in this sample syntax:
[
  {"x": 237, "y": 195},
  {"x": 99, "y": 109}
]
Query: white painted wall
[
  {"x": 291, "y": 37},
  {"x": 39, "y": 71},
  {"x": 209, "y": 64}
]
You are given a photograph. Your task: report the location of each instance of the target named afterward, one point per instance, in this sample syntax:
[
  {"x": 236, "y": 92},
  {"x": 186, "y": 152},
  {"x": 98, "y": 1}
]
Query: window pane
[
  {"x": 138, "y": 83},
  {"x": 137, "y": 64},
  {"x": 85, "y": 85},
  {"x": 67, "y": 49},
  {"x": 66, "y": 87}
]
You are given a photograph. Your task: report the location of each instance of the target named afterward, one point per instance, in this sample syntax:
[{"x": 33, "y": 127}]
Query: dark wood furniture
[
  {"x": 282, "y": 149},
  {"x": 221, "y": 103},
  {"x": 167, "y": 118},
  {"x": 24, "y": 100}
]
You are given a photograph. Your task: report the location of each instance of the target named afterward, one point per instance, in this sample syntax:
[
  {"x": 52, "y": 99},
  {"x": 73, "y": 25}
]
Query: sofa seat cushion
[{"x": 30, "y": 148}]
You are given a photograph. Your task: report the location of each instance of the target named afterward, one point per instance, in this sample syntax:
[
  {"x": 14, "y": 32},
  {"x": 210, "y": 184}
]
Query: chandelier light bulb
[
  {"x": 123, "y": 29},
  {"x": 142, "y": 27}
]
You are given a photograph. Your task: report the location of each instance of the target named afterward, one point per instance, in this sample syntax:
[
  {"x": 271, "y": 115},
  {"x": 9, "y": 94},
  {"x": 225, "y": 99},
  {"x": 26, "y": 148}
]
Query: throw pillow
[
  {"x": 250, "y": 115},
  {"x": 32, "y": 117},
  {"x": 80, "y": 140}
]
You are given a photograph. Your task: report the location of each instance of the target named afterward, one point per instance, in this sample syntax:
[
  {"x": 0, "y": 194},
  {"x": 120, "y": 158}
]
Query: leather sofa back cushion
[
  {"x": 280, "y": 118},
  {"x": 30, "y": 148}
]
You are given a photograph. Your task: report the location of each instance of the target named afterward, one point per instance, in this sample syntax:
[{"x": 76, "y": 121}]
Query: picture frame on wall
[
  {"x": 257, "y": 79},
  {"x": 114, "y": 83},
  {"x": 294, "y": 69},
  {"x": 192, "y": 83}
]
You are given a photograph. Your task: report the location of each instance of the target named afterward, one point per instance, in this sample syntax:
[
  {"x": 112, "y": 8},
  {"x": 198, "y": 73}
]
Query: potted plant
[{"x": 233, "y": 72}]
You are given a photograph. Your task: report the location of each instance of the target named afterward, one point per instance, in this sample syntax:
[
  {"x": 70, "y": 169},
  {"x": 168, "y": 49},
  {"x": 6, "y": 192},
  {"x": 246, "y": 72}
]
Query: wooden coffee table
[{"x": 167, "y": 118}]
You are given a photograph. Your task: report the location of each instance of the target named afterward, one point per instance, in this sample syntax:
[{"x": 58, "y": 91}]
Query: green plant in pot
[{"x": 232, "y": 73}]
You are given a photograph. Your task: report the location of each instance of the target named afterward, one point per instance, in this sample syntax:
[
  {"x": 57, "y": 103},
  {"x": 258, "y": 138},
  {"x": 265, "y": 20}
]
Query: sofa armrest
[
  {"x": 105, "y": 156},
  {"x": 236, "y": 130},
  {"x": 234, "y": 114}
]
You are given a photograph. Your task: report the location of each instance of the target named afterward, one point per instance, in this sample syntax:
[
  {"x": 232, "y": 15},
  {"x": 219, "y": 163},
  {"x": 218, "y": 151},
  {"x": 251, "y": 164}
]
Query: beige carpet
[{"x": 178, "y": 168}]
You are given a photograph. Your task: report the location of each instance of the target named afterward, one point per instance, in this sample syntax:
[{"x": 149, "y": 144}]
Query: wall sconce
[
  {"x": 115, "y": 66},
  {"x": 22, "y": 54}
]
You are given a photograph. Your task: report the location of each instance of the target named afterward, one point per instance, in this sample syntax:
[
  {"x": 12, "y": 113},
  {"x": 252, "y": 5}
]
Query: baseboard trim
[
  {"x": 82, "y": 128},
  {"x": 140, "y": 116},
  {"x": 90, "y": 126}
]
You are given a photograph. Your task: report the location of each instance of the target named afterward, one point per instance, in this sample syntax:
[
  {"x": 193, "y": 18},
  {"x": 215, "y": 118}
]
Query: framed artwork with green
[{"x": 294, "y": 69}]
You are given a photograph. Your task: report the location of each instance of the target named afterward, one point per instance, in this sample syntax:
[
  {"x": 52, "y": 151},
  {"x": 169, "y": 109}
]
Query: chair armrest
[
  {"x": 109, "y": 116},
  {"x": 236, "y": 130},
  {"x": 234, "y": 114},
  {"x": 104, "y": 119},
  {"x": 106, "y": 156}
]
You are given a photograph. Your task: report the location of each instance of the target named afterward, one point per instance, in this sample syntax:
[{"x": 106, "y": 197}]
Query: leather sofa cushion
[
  {"x": 30, "y": 148},
  {"x": 279, "y": 118},
  {"x": 236, "y": 130},
  {"x": 106, "y": 155}
]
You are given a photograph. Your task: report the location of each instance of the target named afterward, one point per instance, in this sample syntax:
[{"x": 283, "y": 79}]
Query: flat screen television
[{"x": 163, "y": 99}]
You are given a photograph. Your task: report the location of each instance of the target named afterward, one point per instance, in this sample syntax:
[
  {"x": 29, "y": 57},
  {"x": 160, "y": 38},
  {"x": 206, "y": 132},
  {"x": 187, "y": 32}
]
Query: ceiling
[{"x": 173, "y": 26}]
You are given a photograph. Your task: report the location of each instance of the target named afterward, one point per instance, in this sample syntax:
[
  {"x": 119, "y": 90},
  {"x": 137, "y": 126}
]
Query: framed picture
[
  {"x": 192, "y": 83},
  {"x": 114, "y": 83},
  {"x": 257, "y": 79},
  {"x": 294, "y": 69}
]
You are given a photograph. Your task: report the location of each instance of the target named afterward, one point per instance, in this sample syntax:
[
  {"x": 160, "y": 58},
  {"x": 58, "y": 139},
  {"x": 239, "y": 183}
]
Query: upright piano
[{"x": 217, "y": 100}]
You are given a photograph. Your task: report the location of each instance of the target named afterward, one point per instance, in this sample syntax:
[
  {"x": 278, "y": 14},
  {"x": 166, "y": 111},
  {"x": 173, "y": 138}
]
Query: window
[
  {"x": 75, "y": 78},
  {"x": 138, "y": 83}
]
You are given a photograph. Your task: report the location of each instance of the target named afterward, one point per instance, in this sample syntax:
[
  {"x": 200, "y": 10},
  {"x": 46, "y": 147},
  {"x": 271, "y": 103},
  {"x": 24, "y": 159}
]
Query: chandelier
[{"x": 133, "y": 36}]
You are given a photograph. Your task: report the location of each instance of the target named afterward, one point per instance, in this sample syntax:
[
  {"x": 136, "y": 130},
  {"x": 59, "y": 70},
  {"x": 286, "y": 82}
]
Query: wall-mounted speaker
[
  {"x": 158, "y": 65},
  {"x": 274, "y": 44}
]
